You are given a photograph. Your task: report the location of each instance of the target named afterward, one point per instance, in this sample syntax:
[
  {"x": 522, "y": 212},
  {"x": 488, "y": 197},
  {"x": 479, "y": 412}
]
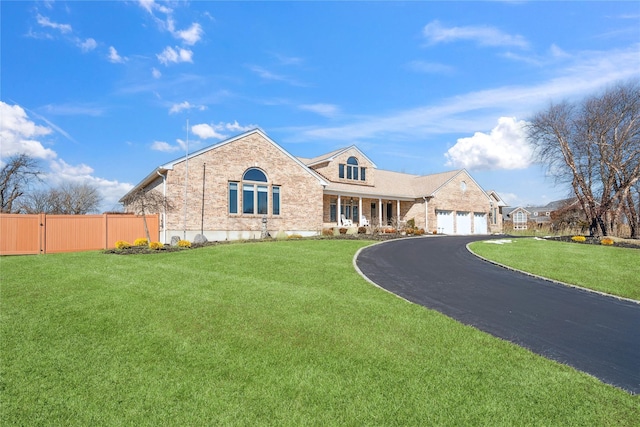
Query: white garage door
[
  {"x": 463, "y": 223},
  {"x": 479, "y": 223},
  {"x": 445, "y": 222}
]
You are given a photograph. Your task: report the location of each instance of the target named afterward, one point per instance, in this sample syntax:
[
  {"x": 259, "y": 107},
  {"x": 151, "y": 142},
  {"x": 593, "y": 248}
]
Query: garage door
[
  {"x": 463, "y": 223},
  {"x": 479, "y": 223},
  {"x": 445, "y": 222}
]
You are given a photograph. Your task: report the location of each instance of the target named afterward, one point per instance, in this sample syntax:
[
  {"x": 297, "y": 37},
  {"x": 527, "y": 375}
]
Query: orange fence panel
[
  {"x": 33, "y": 234},
  {"x": 121, "y": 227},
  {"x": 73, "y": 233},
  {"x": 20, "y": 234}
]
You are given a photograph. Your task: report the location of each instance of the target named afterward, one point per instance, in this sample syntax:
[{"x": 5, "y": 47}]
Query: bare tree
[
  {"x": 594, "y": 146},
  {"x": 145, "y": 201},
  {"x": 16, "y": 177},
  {"x": 37, "y": 201},
  {"x": 75, "y": 199},
  {"x": 66, "y": 199}
]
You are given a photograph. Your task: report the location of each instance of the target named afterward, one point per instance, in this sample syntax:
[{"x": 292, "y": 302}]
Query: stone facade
[{"x": 309, "y": 191}]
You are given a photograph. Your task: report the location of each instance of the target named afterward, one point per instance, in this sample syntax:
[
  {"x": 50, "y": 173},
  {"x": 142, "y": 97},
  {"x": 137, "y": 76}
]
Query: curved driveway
[{"x": 594, "y": 333}]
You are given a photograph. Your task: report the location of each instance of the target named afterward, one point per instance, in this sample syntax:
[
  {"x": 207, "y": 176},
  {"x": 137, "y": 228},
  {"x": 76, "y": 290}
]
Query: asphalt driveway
[{"x": 594, "y": 333}]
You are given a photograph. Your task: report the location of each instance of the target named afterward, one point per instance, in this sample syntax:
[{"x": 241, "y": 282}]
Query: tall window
[
  {"x": 351, "y": 170},
  {"x": 255, "y": 194},
  {"x": 233, "y": 197},
  {"x": 276, "y": 200}
]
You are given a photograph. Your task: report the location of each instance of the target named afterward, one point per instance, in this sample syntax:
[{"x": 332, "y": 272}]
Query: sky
[{"x": 104, "y": 92}]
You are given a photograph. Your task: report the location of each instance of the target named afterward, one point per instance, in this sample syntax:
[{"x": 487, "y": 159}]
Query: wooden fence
[{"x": 42, "y": 233}]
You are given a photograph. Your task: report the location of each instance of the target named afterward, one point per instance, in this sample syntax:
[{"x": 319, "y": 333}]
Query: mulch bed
[
  {"x": 595, "y": 241},
  {"x": 142, "y": 250}
]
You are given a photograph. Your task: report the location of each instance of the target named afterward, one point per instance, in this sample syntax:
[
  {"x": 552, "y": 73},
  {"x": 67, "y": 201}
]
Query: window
[
  {"x": 351, "y": 170},
  {"x": 248, "y": 198},
  {"x": 333, "y": 211},
  {"x": 233, "y": 197},
  {"x": 275, "y": 191},
  {"x": 255, "y": 194}
]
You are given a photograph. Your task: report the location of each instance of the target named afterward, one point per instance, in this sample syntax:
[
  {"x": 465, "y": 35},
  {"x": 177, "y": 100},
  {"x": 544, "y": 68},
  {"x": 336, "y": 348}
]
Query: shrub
[
  {"x": 579, "y": 238},
  {"x": 607, "y": 241},
  {"x": 184, "y": 244},
  {"x": 141, "y": 242},
  {"x": 435, "y": 231},
  {"x": 419, "y": 231},
  {"x": 343, "y": 231},
  {"x": 155, "y": 246},
  {"x": 411, "y": 223},
  {"x": 362, "y": 230},
  {"x": 294, "y": 236},
  {"x": 327, "y": 231},
  {"x": 121, "y": 244}
]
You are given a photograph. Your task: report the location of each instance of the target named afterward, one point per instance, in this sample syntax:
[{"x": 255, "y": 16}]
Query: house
[
  {"x": 236, "y": 188},
  {"x": 554, "y": 213}
]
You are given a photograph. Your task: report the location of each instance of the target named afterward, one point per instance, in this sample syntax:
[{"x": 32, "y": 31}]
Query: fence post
[
  {"x": 105, "y": 230},
  {"x": 42, "y": 234}
]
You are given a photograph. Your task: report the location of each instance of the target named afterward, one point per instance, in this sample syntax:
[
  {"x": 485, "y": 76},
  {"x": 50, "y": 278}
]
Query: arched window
[
  {"x": 351, "y": 170},
  {"x": 255, "y": 194},
  {"x": 254, "y": 174}
]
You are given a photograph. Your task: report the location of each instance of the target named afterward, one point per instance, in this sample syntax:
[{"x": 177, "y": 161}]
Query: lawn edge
[{"x": 570, "y": 285}]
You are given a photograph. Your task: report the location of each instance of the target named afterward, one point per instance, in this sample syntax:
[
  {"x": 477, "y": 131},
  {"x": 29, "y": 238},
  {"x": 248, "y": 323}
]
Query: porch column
[
  {"x": 398, "y": 213},
  {"x": 359, "y": 209},
  {"x": 339, "y": 211},
  {"x": 426, "y": 214},
  {"x": 380, "y": 212}
]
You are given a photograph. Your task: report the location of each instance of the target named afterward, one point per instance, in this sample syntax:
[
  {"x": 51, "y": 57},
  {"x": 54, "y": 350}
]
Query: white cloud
[
  {"x": 156, "y": 73},
  {"x": 583, "y": 74},
  {"x": 327, "y": 110},
  {"x": 18, "y": 134},
  {"x": 47, "y": 23},
  {"x": 176, "y": 108},
  {"x": 110, "y": 190},
  {"x": 114, "y": 56},
  {"x": 164, "y": 147},
  {"x": 436, "y": 33},
  {"x": 87, "y": 45},
  {"x": 505, "y": 147},
  {"x": 190, "y": 36},
  {"x": 206, "y": 131},
  {"x": 171, "y": 55},
  {"x": 235, "y": 127}
]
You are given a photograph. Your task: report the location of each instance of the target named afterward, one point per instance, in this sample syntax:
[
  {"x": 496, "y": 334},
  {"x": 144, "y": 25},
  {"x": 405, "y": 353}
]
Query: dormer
[{"x": 347, "y": 165}]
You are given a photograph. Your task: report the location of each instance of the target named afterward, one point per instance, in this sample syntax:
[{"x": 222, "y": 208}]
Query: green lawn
[
  {"x": 608, "y": 269},
  {"x": 275, "y": 333}
]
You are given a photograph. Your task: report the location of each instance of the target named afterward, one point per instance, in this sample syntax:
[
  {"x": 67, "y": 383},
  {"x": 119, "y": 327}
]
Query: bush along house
[{"x": 248, "y": 186}]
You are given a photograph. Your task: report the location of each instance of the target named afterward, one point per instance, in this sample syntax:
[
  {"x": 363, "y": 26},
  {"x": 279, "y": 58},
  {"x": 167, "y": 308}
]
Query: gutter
[{"x": 164, "y": 206}]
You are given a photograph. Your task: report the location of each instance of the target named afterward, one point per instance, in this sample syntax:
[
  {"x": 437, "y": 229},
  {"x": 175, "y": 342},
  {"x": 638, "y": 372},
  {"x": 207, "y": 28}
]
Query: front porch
[{"x": 345, "y": 210}]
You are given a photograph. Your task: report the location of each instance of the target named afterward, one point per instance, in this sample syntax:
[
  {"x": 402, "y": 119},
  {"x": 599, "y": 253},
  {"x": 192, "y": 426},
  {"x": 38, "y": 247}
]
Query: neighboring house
[
  {"x": 539, "y": 216},
  {"x": 234, "y": 186}
]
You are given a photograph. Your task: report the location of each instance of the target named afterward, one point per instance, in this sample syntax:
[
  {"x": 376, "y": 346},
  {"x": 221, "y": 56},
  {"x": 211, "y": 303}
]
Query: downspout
[{"x": 164, "y": 207}]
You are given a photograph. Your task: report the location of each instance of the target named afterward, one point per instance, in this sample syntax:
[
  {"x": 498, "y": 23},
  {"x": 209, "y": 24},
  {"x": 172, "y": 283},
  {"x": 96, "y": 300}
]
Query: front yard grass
[
  {"x": 278, "y": 333},
  {"x": 607, "y": 269}
]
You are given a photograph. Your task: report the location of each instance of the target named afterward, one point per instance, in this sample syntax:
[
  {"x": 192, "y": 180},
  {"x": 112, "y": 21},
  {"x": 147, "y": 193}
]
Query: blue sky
[{"x": 102, "y": 92}]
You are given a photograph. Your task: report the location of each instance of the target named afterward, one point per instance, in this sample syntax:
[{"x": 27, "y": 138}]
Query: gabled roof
[
  {"x": 497, "y": 198},
  {"x": 333, "y": 154},
  {"x": 398, "y": 185},
  {"x": 162, "y": 169},
  {"x": 509, "y": 211}
]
